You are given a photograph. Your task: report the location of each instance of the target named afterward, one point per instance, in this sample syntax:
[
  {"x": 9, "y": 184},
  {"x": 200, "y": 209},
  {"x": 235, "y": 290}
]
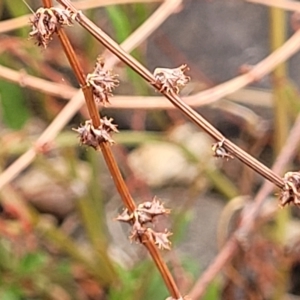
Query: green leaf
[
  {"x": 18, "y": 10},
  {"x": 120, "y": 22},
  {"x": 13, "y": 109}
]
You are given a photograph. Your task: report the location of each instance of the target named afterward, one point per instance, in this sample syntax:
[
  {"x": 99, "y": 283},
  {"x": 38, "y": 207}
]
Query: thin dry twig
[
  {"x": 264, "y": 67},
  {"x": 16, "y": 23},
  {"x": 284, "y": 4},
  {"x": 47, "y": 136},
  {"x": 292, "y": 46},
  {"x": 248, "y": 222},
  {"x": 172, "y": 96},
  {"x": 95, "y": 133},
  {"x": 209, "y": 96},
  {"x": 199, "y": 120},
  {"x": 77, "y": 100},
  {"x": 147, "y": 240}
]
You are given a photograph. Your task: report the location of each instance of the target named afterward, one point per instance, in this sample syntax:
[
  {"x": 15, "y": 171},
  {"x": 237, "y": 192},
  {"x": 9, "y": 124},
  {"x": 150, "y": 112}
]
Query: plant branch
[
  {"x": 15, "y": 23},
  {"x": 111, "y": 162},
  {"x": 110, "y": 44},
  {"x": 248, "y": 223},
  {"x": 77, "y": 100},
  {"x": 284, "y": 4},
  {"x": 206, "y": 97}
]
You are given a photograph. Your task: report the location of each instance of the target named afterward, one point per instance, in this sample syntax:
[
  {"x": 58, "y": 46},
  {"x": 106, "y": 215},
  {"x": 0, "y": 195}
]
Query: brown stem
[
  {"x": 87, "y": 91},
  {"x": 242, "y": 155},
  {"x": 284, "y": 4},
  {"x": 160, "y": 264},
  {"x": 135, "y": 39},
  {"x": 117, "y": 177},
  {"x": 248, "y": 222},
  {"x": 175, "y": 99},
  {"x": 110, "y": 160}
]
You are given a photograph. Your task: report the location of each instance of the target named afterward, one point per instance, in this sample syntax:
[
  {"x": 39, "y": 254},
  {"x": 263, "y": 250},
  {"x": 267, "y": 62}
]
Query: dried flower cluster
[
  {"x": 103, "y": 82},
  {"x": 91, "y": 136},
  {"x": 291, "y": 189},
  {"x": 220, "y": 151},
  {"x": 171, "y": 79},
  {"x": 145, "y": 213},
  {"x": 46, "y": 22}
]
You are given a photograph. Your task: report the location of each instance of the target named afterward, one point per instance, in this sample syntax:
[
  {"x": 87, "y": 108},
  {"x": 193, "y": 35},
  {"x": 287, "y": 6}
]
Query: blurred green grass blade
[
  {"x": 141, "y": 10},
  {"x": 14, "y": 112},
  {"x": 1, "y": 10},
  {"x": 16, "y": 10},
  {"x": 120, "y": 22},
  {"x": 123, "y": 27},
  {"x": 213, "y": 291},
  {"x": 55, "y": 235}
]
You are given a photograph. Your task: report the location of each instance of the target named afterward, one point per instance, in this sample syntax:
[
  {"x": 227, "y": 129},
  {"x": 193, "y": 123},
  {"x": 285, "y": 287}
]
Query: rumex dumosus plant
[{"x": 96, "y": 132}]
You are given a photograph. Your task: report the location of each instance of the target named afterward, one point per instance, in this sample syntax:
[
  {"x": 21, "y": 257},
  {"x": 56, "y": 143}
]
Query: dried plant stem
[
  {"x": 47, "y": 136},
  {"x": 111, "y": 162},
  {"x": 248, "y": 223},
  {"x": 172, "y": 97},
  {"x": 13, "y": 24},
  {"x": 161, "y": 266},
  {"x": 117, "y": 177},
  {"x": 284, "y": 4},
  {"x": 128, "y": 102},
  {"x": 77, "y": 100}
]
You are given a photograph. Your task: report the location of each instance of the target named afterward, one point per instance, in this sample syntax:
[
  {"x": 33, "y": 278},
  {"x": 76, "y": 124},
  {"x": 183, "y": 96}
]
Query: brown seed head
[
  {"x": 291, "y": 190},
  {"x": 171, "y": 79},
  {"x": 93, "y": 137},
  {"x": 45, "y": 23},
  {"x": 144, "y": 214},
  {"x": 103, "y": 82}
]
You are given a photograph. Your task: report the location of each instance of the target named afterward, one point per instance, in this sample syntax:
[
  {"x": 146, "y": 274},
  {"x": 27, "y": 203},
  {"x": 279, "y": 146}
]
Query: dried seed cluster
[
  {"x": 93, "y": 137},
  {"x": 171, "y": 79},
  {"x": 145, "y": 213},
  {"x": 291, "y": 190},
  {"x": 46, "y": 21},
  {"x": 103, "y": 82},
  {"x": 220, "y": 151}
]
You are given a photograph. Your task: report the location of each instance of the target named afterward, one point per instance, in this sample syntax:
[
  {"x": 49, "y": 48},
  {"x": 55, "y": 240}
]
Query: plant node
[{"x": 220, "y": 151}]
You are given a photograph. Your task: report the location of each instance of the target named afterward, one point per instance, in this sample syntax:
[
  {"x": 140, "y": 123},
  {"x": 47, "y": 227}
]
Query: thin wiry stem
[
  {"x": 206, "y": 97},
  {"x": 111, "y": 162},
  {"x": 134, "y": 40},
  {"x": 248, "y": 223},
  {"x": 15, "y": 23},
  {"x": 172, "y": 97},
  {"x": 284, "y": 4},
  {"x": 290, "y": 47}
]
